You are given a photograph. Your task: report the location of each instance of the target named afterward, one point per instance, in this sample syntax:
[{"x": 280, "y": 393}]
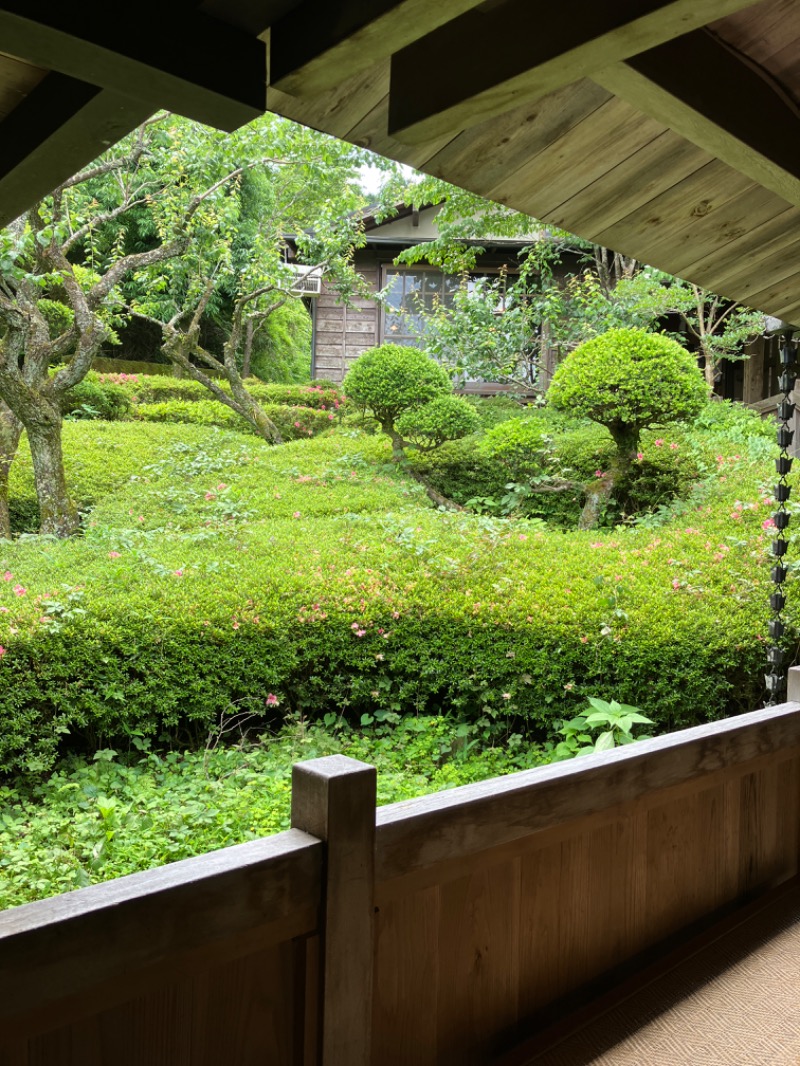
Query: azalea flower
[
  {"x": 19, "y": 590},
  {"x": 8, "y": 576},
  {"x": 673, "y": 446},
  {"x": 658, "y": 443},
  {"x": 640, "y": 456},
  {"x": 272, "y": 700},
  {"x": 2, "y": 651},
  {"x": 113, "y": 555}
]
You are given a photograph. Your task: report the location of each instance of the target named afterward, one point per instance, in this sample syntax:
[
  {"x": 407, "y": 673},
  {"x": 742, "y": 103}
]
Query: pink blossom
[
  {"x": 19, "y": 590},
  {"x": 8, "y": 576},
  {"x": 210, "y": 496},
  {"x": 355, "y": 625},
  {"x": 768, "y": 523},
  {"x": 178, "y": 573},
  {"x": 673, "y": 446},
  {"x": 640, "y": 456},
  {"x": 113, "y": 555},
  {"x": 658, "y": 443},
  {"x": 599, "y": 473},
  {"x": 584, "y": 640},
  {"x": 235, "y": 625},
  {"x": 2, "y": 651},
  {"x": 272, "y": 700},
  {"x": 523, "y": 536},
  {"x": 296, "y": 514},
  {"x": 221, "y": 486},
  {"x": 676, "y": 583},
  {"x": 361, "y": 632}
]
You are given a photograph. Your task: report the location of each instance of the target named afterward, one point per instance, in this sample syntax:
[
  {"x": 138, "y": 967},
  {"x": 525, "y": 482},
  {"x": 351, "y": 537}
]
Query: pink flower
[
  {"x": 658, "y": 442},
  {"x": 113, "y": 555},
  {"x": 599, "y": 473},
  {"x": 768, "y": 523},
  {"x": 676, "y": 583},
  {"x": 210, "y": 496},
  {"x": 296, "y": 514},
  {"x": 272, "y": 700},
  {"x": 673, "y": 446},
  {"x": 640, "y": 456},
  {"x": 523, "y": 536},
  {"x": 235, "y": 625},
  {"x": 178, "y": 573},
  {"x": 19, "y": 590},
  {"x": 361, "y": 632},
  {"x": 8, "y": 576},
  {"x": 2, "y": 651},
  {"x": 584, "y": 640},
  {"x": 221, "y": 486}
]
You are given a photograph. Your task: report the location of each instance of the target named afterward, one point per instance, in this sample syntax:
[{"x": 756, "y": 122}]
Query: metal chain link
[{"x": 776, "y": 656}]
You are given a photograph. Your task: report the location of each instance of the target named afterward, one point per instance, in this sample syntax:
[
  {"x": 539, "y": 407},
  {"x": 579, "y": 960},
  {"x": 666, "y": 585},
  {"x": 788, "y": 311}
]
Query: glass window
[{"x": 413, "y": 293}]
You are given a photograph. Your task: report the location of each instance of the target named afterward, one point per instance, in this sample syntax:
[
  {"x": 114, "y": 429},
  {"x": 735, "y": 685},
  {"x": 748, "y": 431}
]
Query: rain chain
[{"x": 776, "y": 656}]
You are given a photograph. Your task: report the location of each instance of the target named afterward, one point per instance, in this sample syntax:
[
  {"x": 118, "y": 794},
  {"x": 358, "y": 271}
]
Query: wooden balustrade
[{"x": 437, "y": 933}]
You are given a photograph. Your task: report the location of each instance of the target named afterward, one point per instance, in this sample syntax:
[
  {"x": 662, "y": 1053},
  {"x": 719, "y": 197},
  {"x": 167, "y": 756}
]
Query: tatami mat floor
[{"x": 735, "y": 1003}]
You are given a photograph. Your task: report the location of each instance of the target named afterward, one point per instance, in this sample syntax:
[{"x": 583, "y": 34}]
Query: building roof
[{"x": 665, "y": 129}]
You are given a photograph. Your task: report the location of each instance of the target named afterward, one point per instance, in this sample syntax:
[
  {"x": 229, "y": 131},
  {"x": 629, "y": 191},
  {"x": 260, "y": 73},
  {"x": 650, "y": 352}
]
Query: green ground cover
[{"x": 223, "y": 585}]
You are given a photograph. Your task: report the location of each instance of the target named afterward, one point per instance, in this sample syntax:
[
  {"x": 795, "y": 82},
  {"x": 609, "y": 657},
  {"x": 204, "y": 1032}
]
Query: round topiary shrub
[
  {"x": 446, "y": 418},
  {"x": 390, "y": 380},
  {"x": 626, "y": 380}
]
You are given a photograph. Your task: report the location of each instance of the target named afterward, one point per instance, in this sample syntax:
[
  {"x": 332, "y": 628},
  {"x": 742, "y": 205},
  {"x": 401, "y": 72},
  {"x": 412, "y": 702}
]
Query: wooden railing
[{"x": 436, "y": 933}]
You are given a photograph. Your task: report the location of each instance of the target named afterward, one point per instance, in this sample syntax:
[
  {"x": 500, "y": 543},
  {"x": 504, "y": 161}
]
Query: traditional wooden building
[{"x": 342, "y": 332}]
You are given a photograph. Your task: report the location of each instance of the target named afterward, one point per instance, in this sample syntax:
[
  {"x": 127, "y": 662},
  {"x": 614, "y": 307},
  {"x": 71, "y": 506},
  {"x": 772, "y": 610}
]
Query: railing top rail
[
  {"x": 415, "y": 834},
  {"x": 60, "y": 946}
]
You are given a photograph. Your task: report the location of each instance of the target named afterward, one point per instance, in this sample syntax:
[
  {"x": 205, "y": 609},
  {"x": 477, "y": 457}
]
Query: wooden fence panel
[
  {"x": 199, "y": 962},
  {"x": 495, "y": 903}
]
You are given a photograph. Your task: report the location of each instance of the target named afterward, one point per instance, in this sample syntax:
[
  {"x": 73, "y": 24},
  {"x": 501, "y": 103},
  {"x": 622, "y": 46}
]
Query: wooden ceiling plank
[
  {"x": 780, "y": 299},
  {"x": 319, "y": 44},
  {"x": 707, "y": 93},
  {"x": 762, "y": 245},
  {"x": 675, "y": 244},
  {"x": 370, "y": 132},
  {"x": 487, "y": 62},
  {"x": 638, "y": 179},
  {"x": 485, "y": 155},
  {"x": 186, "y": 62},
  {"x": 61, "y": 126},
  {"x": 585, "y": 153}
]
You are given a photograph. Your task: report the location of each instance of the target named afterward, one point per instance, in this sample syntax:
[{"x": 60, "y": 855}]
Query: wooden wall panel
[
  {"x": 242, "y": 1012},
  {"x": 472, "y": 947}
]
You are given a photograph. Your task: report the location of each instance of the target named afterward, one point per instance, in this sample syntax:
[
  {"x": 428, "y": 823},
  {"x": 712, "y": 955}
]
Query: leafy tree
[
  {"x": 175, "y": 223},
  {"x": 390, "y": 380},
  {"x": 627, "y": 380}
]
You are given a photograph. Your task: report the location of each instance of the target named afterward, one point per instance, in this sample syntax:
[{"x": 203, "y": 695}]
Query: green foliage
[
  {"x": 616, "y": 720},
  {"x": 293, "y": 422},
  {"x": 391, "y": 379},
  {"x": 627, "y": 379},
  {"x": 93, "y": 398},
  {"x": 444, "y": 419},
  {"x": 215, "y": 570},
  {"x": 124, "y": 811},
  {"x": 282, "y": 345}
]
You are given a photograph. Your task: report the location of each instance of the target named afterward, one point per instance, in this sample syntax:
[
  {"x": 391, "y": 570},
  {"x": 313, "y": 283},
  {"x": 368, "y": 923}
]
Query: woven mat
[{"x": 735, "y": 1003}]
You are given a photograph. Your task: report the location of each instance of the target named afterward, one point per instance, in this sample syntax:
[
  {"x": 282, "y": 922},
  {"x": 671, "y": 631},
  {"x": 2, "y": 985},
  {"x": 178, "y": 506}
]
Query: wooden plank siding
[
  {"x": 198, "y": 962},
  {"x": 494, "y": 901},
  {"x": 342, "y": 333}
]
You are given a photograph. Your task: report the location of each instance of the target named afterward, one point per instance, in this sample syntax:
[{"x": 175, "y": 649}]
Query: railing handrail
[{"x": 414, "y": 834}]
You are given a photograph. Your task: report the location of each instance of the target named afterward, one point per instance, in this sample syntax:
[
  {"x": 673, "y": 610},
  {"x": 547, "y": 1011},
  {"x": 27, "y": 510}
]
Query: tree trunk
[
  {"x": 10, "y": 432},
  {"x": 58, "y": 514},
  {"x": 600, "y": 491}
]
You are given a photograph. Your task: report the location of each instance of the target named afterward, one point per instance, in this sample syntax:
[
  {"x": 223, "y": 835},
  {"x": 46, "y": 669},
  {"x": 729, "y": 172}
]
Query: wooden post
[
  {"x": 793, "y": 686},
  {"x": 333, "y": 799}
]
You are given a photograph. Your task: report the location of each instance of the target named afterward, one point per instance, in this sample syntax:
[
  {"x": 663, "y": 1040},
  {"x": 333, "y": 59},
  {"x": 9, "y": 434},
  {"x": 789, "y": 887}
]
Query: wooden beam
[
  {"x": 320, "y": 44},
  {"x": 492, "y": 60},
  {"x": 185, "y": 62},
  {"x": 60, "y": 126},
  {"x": 722, "y": 102}
]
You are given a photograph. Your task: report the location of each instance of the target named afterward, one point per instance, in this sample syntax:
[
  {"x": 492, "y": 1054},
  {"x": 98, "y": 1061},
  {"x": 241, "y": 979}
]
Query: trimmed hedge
[
  {"x": 223, "y": 570},
  {"x": 293, "y": 422}
]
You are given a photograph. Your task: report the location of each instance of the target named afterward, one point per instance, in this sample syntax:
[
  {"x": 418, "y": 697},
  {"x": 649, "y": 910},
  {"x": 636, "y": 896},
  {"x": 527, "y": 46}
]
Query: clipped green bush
[
  {"x": 390, "y": 380},
  {"x": 93, "y": 398},
  {"x": 444, "y": 419},
  {"x": 215, "y": 571},
  {"x": 293, "y": 422},
  {"x": 627, "y": 380}
]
